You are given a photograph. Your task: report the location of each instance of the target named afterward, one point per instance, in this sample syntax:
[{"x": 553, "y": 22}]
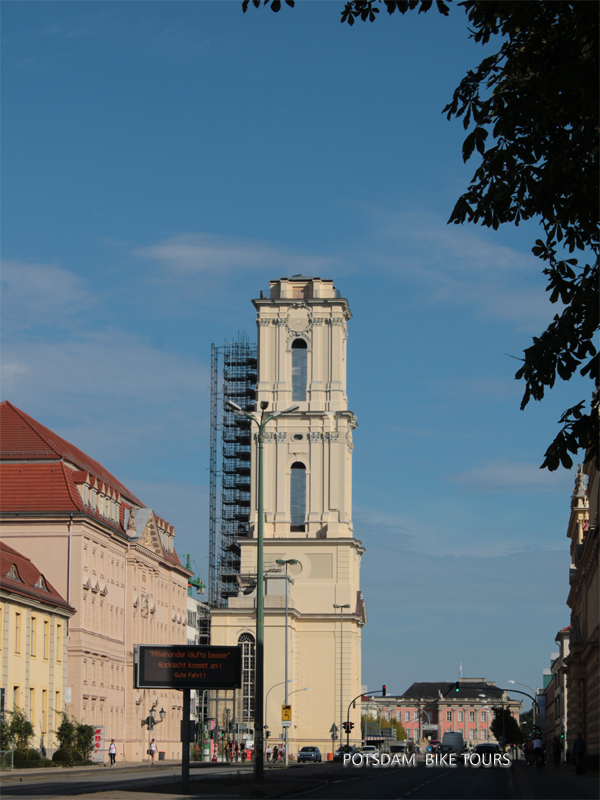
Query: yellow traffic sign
[{"x": 286, "y": 713}]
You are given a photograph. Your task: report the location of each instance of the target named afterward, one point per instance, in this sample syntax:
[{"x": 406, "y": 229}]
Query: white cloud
[
  {"x": 41, "y": 294},
  {"x": 110, "y": 393},
  {"x": 512, "y": 476},
  {"x": 455, "y": 265},
  {"x": 200, "y": 253}
]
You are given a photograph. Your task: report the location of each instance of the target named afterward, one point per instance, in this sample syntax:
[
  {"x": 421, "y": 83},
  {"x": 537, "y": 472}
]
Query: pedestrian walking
[
  {"x": 112, "y": 752},
  {"x": 152, "y": 750},
  {"x": 556, "y": 748},
  {"x": 579, "y": 752},
  {"x": 275, "y": 754},
  {"x": 269, "y": 752}
]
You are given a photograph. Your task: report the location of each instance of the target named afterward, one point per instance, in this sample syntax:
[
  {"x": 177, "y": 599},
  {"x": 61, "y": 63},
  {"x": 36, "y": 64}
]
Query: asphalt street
[{"x": 320, "y": 781}]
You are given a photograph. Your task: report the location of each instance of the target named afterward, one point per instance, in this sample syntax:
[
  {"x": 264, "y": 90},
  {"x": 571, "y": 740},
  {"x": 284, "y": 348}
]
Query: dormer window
[
  {"x": 41, "y": 584},
  {"x": 13, "y": 574}
]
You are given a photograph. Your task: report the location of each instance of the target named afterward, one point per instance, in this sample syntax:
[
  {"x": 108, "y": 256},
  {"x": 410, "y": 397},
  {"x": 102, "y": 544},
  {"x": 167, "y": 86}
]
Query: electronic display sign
[{"x": 188, "y": 667}]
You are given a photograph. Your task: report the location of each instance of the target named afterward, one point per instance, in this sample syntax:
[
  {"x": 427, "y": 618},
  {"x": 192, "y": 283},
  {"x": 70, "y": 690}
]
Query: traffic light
[
  {"x": 351, "y": 725},
  {"x": 383, "y": 690},
  {"x": 346, "y": 727},
  {"x": 457, "y": 687},
  {"x": 267, "y": 733}
]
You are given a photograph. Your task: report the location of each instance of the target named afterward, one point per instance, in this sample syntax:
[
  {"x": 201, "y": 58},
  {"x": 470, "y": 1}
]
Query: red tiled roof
[
  {"x": 29, "y": 575},
  {"x": 38, "y": 487},
  {"x": 23, "y": 438}
]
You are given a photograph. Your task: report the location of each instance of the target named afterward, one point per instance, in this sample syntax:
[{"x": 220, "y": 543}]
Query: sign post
[{"x": 186, "y": 667}]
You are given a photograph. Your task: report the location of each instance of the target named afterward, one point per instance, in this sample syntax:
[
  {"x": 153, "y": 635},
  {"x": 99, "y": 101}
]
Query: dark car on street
[
  {"x": 309, "y": 754},
  {"x": 345, "y": 748}
]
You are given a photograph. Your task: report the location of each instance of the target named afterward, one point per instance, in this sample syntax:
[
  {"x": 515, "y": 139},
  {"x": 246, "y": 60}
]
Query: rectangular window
[
  {"x": 59, "y": 643},
  {"x": 448, "y": 716},
  {"x": 461, "y": 716},
  {"x": 46, "y": 640},
  {"x": 15, "y": 697},
  {"x": 17, "y": 633},
  {"x": 32, "y": 705},
  {"x": 415, "y": 715},
  {"x": 299, "y": 369},
  {"x": 471, "y": 733},
  {"x": 471, "y": 716},
  {"x": 483, "y": 734},
  {"x": 298, "y": 496},
  {"x": 33, "y": 650},
  {"x": 484, "y": 716},
  {"x": 57, "y": 710},
  {"x": 407, "y": 716}
]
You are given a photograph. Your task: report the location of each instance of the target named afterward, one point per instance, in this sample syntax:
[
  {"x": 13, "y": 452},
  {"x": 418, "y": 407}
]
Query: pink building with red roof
[{"x": 112, "y": 559}]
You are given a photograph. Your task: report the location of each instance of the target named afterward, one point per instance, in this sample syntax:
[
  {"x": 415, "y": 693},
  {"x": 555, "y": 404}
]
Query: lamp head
[
  {"x": 264, "y": 404},
  {"x": 233, "y": 406},
  {"x": 162, "y": 713},
  {"x": 510, "y": 681},
  {"x": 153, "y": 712}
]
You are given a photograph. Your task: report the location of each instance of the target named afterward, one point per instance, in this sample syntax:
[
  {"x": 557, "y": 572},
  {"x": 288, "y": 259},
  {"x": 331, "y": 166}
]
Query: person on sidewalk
[
  {"x": 579, "y": 752},
  {"x": 152, "y": 750},
  {"x": 112, "y": 752},
  {"x": 556, "y": 748}
]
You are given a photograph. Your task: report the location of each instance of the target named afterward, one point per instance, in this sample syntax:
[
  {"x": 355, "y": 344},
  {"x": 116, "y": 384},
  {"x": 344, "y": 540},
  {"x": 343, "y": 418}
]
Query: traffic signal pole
[{"x": 349, "y": 725}]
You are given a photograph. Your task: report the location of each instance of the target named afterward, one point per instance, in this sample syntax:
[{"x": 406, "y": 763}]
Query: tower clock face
[{"x": 298, "y": 320}]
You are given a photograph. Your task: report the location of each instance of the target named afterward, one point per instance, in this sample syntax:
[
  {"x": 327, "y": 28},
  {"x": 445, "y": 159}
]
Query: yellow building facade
[{"x": 34, "y": 621}]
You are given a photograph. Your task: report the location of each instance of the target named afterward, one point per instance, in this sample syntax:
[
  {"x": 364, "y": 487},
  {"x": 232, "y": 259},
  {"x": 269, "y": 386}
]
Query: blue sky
[{"x": 162, "y": 161}]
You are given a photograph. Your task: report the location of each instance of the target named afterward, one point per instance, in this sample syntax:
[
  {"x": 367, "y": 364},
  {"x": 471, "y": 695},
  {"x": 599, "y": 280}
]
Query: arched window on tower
[
  {"x": 298, "y": 497},
  {"x": 246, "y": 642},
  {"x": 299, "y": 371}
]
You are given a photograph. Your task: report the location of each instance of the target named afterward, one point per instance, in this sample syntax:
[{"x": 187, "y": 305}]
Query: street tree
[
  {"x": 530, "y": 112},
  {"x": 505, "y": 727}
]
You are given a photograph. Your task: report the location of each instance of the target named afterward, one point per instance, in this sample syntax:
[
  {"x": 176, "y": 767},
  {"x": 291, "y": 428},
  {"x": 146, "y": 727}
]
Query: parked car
[
  {"x": 309, "y": 754},
  {"x": 345, "y": 748},
  {"x": 487, "y": 749},
  {"x": 368, "y": 749}
]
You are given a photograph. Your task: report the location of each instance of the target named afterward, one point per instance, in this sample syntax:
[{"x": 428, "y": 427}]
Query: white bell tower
[
  {"x": 302, "y": 333},
  {"x": 307, "y": 471}
]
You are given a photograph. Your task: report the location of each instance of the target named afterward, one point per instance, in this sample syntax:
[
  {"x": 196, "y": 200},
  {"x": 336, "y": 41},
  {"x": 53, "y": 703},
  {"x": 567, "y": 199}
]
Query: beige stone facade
[
  {"x": 302, "y": 335},
  {"x": 114, "y": 561},
  {"x": 583, "y": 674}
]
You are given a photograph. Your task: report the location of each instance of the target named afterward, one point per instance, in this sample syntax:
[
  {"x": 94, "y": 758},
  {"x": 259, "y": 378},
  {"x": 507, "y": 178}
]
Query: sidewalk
[
  {"x": 550, "y": 782},
  {"x": 94, "y": 769},
  {"x": 278, "y": 782}
]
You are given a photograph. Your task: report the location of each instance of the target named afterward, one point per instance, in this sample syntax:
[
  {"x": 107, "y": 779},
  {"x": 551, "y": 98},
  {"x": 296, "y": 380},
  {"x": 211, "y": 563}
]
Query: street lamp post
[
  {"x": 281, "y": 562},
  {"x": 341, "y": 608},
  {"x": 533, "y": 705},
  {"x": 151, "y": 722},
  {"x": 259, "y": 684}
]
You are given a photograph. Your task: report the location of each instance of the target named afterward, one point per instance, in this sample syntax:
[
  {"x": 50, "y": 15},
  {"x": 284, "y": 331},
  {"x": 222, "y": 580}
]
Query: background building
[
  {"x": 583, "y": 673},
  {"x": 33, "y": 645},
  {"x": 301, "y": 360},
  {"x": 112, "y": 559},
  {"x": 429, "y": 710}
]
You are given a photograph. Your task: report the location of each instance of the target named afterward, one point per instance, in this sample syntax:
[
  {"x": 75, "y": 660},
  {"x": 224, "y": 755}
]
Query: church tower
[{"x": 302, "y": 337}]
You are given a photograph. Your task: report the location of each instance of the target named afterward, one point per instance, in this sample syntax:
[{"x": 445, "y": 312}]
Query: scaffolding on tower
[{"x": 233, "y": 377}]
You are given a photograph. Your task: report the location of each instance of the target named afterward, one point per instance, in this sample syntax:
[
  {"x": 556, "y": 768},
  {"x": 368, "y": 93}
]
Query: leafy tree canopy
[
  {"x": 531, "y": 113},
  {"x": 505, "y": 727}
]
